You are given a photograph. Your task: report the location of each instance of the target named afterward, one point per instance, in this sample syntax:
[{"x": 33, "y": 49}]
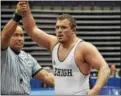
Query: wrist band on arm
[{"x": 16, "y": 17}]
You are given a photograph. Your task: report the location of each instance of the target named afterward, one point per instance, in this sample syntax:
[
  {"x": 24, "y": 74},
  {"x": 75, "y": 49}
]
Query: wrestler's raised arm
[{"x": 38, "y": 35}]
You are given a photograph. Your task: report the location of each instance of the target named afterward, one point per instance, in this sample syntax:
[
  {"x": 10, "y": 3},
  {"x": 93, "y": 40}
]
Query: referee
[{"x": 18, "y": 67}]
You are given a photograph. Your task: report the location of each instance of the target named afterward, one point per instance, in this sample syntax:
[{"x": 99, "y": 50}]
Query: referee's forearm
[{"x": 7, "y": 33}]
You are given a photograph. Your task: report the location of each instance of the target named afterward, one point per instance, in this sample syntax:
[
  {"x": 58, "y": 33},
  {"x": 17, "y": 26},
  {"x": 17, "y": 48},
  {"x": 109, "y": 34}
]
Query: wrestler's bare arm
[
  {"x": 38, "y": 35},
  {"x": 96, "y": 60}
]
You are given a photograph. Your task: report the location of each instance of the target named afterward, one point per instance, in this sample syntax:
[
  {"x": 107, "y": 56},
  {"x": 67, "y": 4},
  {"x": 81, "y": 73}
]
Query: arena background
[{"x": 98, "y": 22}]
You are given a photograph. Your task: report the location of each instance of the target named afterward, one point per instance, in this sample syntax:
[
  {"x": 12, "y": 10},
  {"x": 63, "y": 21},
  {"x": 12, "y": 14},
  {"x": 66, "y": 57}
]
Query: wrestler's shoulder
[{"x": 86, "y": 46}]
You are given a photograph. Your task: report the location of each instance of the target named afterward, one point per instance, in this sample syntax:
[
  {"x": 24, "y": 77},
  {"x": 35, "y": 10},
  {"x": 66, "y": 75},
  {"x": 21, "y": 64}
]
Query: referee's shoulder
[{"x": 25, "y": 53}]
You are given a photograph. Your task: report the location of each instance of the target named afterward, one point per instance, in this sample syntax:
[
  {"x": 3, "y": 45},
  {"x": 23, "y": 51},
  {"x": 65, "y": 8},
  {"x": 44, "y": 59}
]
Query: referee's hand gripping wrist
[{"x": 16, "y": 17}]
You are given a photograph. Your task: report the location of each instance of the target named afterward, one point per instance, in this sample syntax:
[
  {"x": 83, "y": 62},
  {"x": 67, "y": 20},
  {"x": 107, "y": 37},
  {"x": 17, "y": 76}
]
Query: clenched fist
[{"x": 21, "y": 8}]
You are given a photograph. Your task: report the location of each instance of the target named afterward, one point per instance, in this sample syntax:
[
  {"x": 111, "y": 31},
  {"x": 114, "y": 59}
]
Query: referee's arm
[{"x": 7, "y": 33}]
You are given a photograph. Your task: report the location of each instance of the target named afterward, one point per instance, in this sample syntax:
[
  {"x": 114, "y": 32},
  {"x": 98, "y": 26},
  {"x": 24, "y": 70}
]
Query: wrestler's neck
[{"x": 70, "y": 42}]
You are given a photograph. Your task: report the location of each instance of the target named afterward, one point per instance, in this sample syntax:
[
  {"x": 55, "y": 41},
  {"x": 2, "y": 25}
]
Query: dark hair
[{"x": 69, "y": 18}]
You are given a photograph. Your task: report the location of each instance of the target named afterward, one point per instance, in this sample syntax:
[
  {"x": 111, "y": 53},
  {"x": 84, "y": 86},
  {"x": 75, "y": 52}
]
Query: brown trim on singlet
[
  {"x": 67, "y": 54},
  {"x": 75, "y": 60},
  {"x": 54, "y": 46},
  {"x": 81, "y": 71}
]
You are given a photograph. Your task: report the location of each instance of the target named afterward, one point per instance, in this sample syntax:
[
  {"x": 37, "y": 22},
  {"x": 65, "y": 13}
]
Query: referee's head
[{"x": 17, "y": 39}]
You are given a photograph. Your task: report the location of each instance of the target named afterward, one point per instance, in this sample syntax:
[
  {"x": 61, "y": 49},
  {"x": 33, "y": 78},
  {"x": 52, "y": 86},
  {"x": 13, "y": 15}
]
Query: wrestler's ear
[{"x": 73, "y": 30}]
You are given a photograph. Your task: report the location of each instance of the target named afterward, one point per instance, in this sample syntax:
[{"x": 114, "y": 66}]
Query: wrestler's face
[
  {"x": 63, "y": 30},
  {"x": 17, "y": 40}
]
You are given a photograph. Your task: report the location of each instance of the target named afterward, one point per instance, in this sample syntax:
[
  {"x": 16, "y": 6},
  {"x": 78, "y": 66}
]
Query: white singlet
[{"x": 69, "y": 80}]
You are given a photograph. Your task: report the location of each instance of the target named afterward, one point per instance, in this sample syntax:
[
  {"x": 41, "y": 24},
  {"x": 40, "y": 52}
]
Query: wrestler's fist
[{"x": 21, "y": 7}]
